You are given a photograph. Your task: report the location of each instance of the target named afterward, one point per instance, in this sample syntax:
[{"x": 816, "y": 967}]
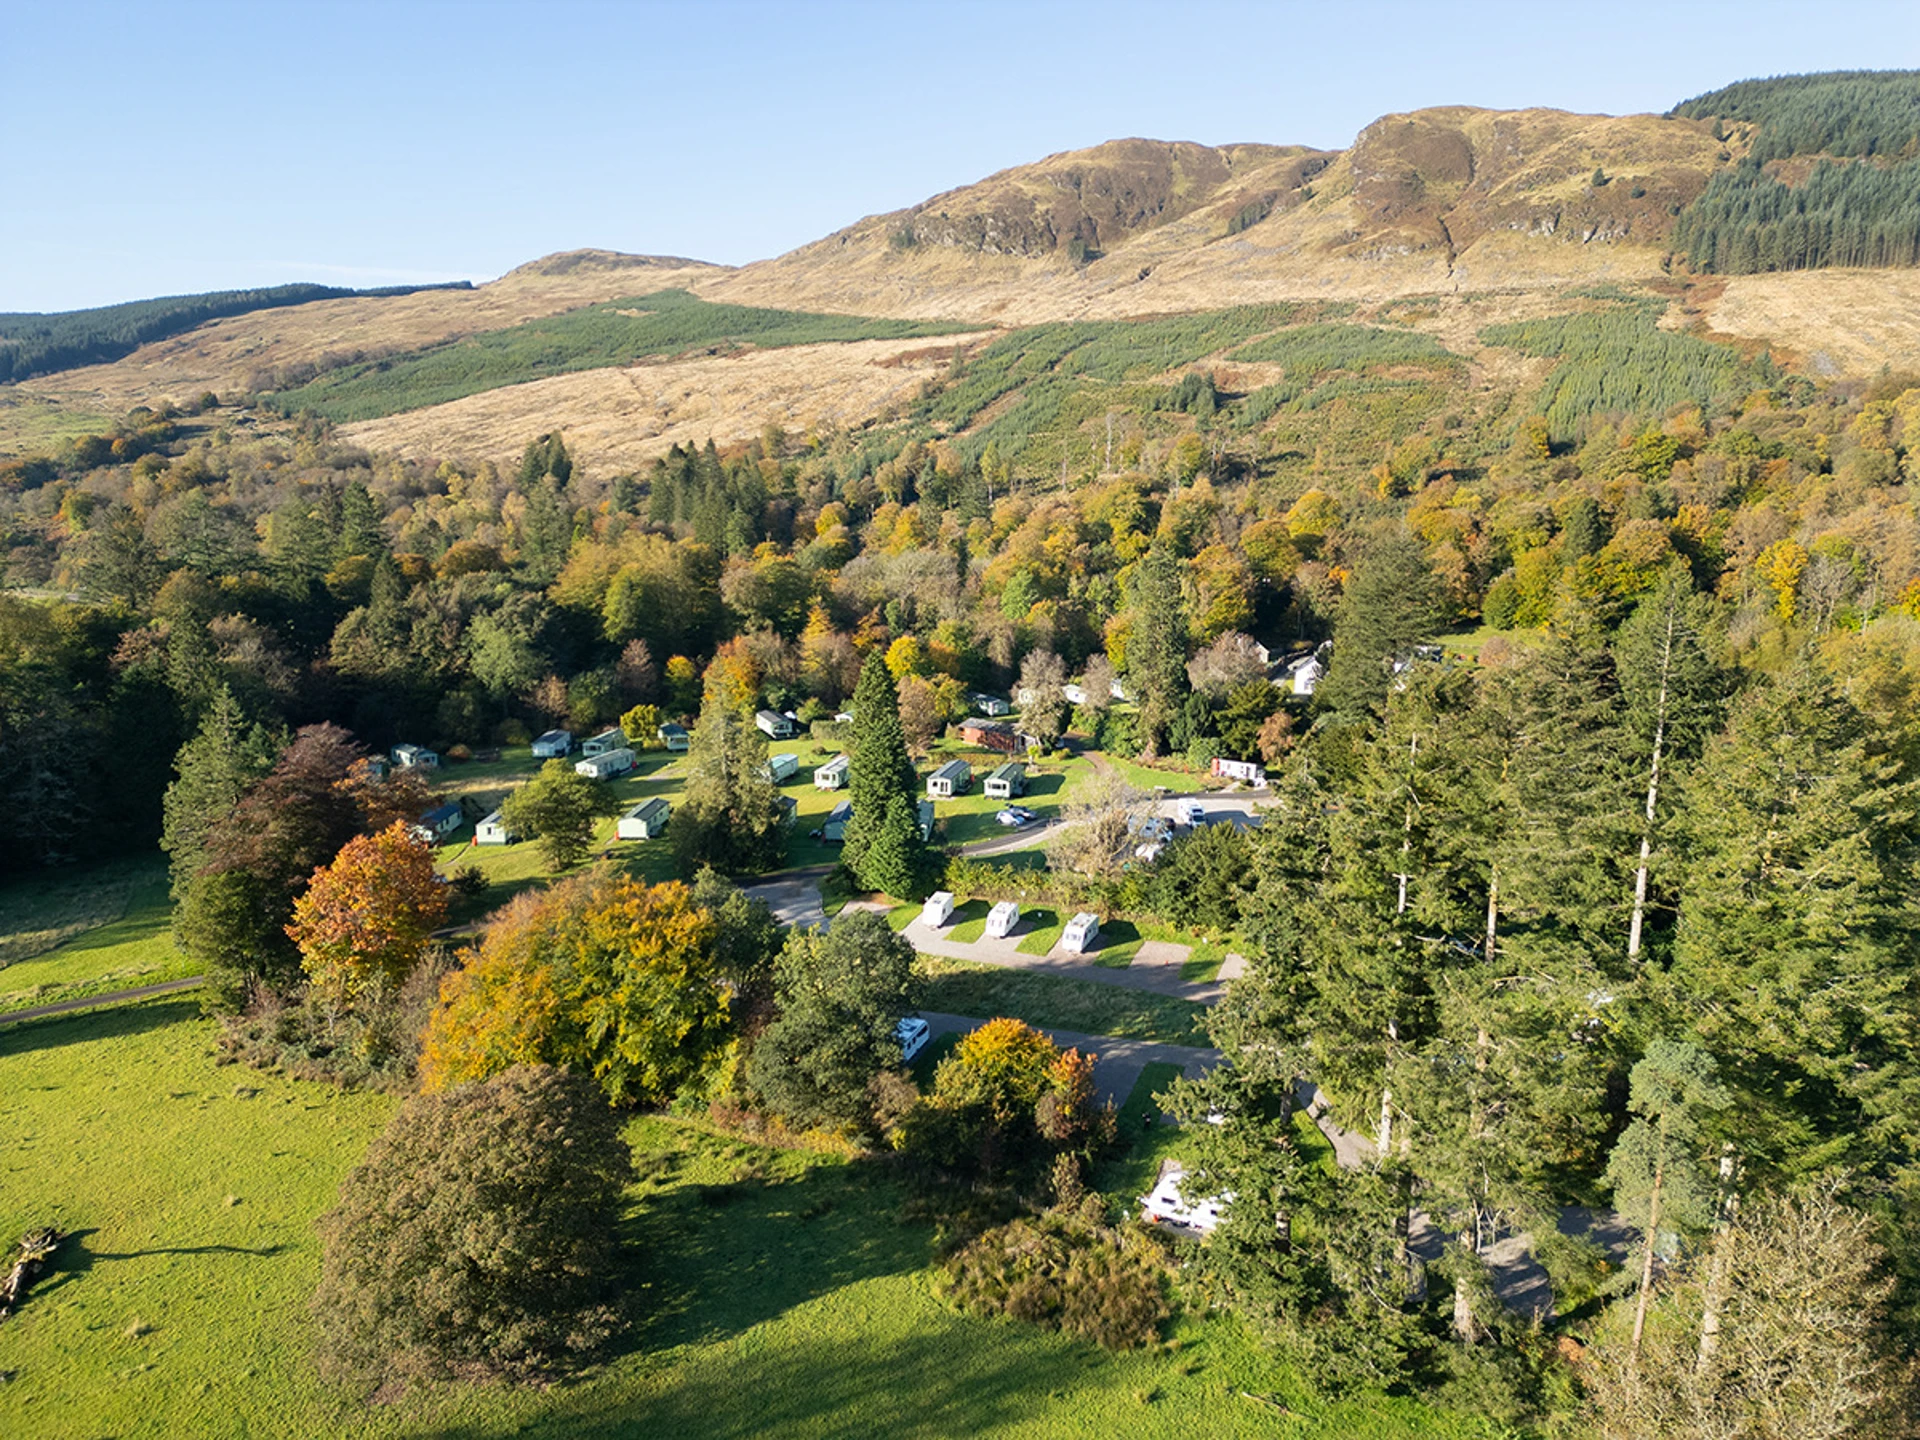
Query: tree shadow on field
[
  {"x": 116, "y": 1022},
  {"x": 708, "y": 1261},
  {"x": 74, "y": 1260},
  {"x": 930, "y": 1385}
]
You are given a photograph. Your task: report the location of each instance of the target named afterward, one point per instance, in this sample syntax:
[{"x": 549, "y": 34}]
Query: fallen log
[{"x": 36, "y": 1249}]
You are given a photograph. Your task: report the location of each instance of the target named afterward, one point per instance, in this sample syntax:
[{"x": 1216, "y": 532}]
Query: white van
[{"x": 912, "y": 1033}]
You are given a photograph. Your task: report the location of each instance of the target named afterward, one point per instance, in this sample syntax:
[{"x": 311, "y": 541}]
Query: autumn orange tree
[
  {"x": 365, "y": 918},
  {"x": 1005, "y": 1104},
  {"x": 604, "y": 974}
]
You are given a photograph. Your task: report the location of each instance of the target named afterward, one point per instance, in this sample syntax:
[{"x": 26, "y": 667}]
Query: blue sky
[{"x": 175, "y": 146}]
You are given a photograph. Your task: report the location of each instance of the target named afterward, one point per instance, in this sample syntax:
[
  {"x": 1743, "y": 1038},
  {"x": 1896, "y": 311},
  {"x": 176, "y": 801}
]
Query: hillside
[
  {"x": 1483, "y": 217},
  {"x": 1437, "y": 200},
  {"x": 266, "y": 348}
]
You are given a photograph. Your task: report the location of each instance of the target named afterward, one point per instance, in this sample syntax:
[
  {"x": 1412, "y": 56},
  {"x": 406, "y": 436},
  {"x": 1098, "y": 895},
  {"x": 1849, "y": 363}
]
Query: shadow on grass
[
  {"x": 73, "y": 1261},
  {"x": 718, "y": 1259},
  {"x": 1119, "y": 943},
  {"x": 112, "y": 1023},
  {"x": 928, "y": 1385}
]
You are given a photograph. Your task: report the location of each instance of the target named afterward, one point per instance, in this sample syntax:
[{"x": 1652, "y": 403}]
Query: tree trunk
[
  {"x": 1653, "y": 794},
  {"x": 1646, "y": 1264},
  {"x": 1714, "y": 1296},
  {"x": 1406, "y": 829},
  {"x": 1493, "y": 914}
]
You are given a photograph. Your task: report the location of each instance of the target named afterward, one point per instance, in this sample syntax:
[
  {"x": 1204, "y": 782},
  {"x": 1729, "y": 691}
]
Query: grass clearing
[
  {"x": 960, "y": 987},
  {"x": 1044, "y": 928},
  {"x": 781, "y": 1293},
  {"x": 130, "y": 943},
  {"x": 44, "y": 912}
]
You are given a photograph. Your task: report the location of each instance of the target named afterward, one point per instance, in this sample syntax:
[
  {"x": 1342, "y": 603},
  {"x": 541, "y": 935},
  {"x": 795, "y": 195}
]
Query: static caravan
[
  {"x": 989, "y": 704},
  {"x": 439, "y": 822},
  {"x": 554, "y": 745},
  {"x": 949, "y": 780},
  {"x": 603, "y": 743},
  {"x": 1002, "y": 919},
  {"x": 777, "y": 726},
  {"x": 492, "y": 830},
  {"x": 644, "y": 821},
  {"x": 1081, "y": 933},
  {"x": 606, "y": 765},
  {"x": 912, "y": 1033},
  {"x": 938, "y": 910},
  {"x": 1007, "y": 781},
  {"x": 833, "y": 774},
  {"x": 414, "y": 757},
  {"x": 674, "y": 737},
  {"x": 1076, "y": 694},
  {"x": 1166, "y": 1205},
  {"x": 782, "y": 768},
  {"x": 834, "y": 831},
  {"x": 1250, "y": 771}
]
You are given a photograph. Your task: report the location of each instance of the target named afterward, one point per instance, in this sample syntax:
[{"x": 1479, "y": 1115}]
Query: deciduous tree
[{"x": 366, "y": 916}]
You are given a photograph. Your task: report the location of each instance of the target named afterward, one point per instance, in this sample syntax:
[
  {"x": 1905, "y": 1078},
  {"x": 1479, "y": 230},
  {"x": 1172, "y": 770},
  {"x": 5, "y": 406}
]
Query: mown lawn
[
  {"x": 779, "y": 1293},
  {"x": 960, "y": 987},
  {"x": 110, "y": 928}
]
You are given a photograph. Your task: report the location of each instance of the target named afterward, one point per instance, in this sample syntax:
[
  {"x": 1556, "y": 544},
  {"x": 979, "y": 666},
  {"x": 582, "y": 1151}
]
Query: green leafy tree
[
  {"x": 558, "y": 807},
  {"x": 477, "y": 1237},
  {"x": 840, "y": 995},
  {"x": 883, "y": 847},
  {"x": 730, "y": 817}
]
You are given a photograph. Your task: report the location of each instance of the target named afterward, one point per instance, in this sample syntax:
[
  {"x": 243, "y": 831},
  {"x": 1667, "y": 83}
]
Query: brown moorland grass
[{"x": 617, "y": 418}]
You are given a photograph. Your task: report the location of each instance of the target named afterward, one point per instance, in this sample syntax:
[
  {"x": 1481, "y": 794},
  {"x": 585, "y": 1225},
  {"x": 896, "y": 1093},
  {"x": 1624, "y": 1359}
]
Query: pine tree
[
  {"x": 1672, "y": 687},
  {"x": 883, "y": 848},
  {"x": 1157, "y": 647},
  {"x": 213, "y": 769},
  {"x": 1391, "y": 604},
  {"x": 1656, "y": 1171},
  {"x": 1793, "y": 960}
]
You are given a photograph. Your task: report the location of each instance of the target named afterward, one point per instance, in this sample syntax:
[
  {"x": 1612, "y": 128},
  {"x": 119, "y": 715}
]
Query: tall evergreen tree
[
  {"x": 214, "y": 769},
  {"x": 1672, "y": 686},
  {"x": 883, "y": 847},
  {"x": 1157, "y": 647},
  {"x": 1391, "y": 604},
  {"x": 1793, "y": 958}
]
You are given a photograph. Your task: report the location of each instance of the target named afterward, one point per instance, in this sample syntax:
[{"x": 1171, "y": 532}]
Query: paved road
[
  {"x": 1157, "y": 973},
  {"x": 116, "y": 997},
  {"x": 793, "y": 896},
  {"x": 1118, "y": 1063}
]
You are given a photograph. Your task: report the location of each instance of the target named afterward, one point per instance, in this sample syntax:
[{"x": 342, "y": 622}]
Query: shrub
[
  {"x": 476, "y": 1237},
  {"x": 1066, "y": 1270}
]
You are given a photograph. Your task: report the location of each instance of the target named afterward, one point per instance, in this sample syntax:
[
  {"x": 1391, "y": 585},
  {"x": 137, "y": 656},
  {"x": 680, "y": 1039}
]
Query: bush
[
  {"x": 1066, "y": 1270},
  {"x": 375, "y": 1046},
  {"x": 477, "y": 1236}
]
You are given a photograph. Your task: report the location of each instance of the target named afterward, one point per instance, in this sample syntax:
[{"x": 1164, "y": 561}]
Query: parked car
[
  {"x": 1023, "y": 812},
  {"x": 1193, "y": 813},
  {"x": 1011, "y": 818}
]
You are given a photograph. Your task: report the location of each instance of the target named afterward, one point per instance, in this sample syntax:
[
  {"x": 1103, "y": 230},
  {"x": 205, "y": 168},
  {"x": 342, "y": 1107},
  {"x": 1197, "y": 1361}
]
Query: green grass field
[
  {"x": 109, "y": 930},
  {"x": 780, "y": 1293},
  {"x": 958, "y": 987}
]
